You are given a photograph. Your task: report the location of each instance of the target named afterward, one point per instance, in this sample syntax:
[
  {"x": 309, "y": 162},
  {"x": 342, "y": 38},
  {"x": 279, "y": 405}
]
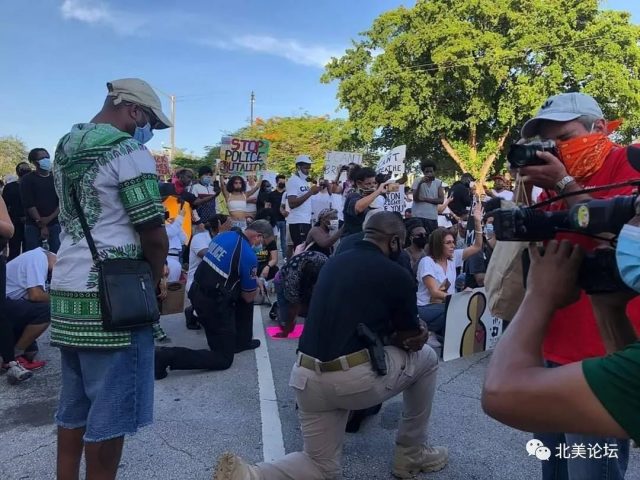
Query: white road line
[{"x": 272, "y": 441}]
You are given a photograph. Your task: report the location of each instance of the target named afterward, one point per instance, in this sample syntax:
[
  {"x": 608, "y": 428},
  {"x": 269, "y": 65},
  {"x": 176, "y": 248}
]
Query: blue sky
[{"x": 57, "y": 56}]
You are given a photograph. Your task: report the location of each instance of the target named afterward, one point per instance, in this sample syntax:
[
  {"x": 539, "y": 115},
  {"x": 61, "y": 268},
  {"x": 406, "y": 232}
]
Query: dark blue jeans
[
  {"x": 434, "y": 315},
  {"x": 32, "y": 237},
  {"x": 582, "y": 468}
]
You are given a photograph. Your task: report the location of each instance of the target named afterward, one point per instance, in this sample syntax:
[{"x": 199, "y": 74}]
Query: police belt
[{"x": 345, "y": 362}]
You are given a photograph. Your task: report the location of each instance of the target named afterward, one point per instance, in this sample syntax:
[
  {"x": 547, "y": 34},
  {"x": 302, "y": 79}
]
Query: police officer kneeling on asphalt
[
  {"x": 222, "y": 293},
  {"x": 361, "y": 299}
]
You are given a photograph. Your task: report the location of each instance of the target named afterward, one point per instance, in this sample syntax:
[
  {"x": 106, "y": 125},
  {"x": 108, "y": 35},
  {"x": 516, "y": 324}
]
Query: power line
[{"x": 488, "y": 59}]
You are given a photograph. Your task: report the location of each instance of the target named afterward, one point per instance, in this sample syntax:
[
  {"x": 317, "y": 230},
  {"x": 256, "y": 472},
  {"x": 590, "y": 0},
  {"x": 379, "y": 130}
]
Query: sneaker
[
  {"x": 16, "y": 373},
  {"x": 30, "y": 365},
  {"x": 273, "y": 312},
  {"x": 161, "y": 360},
  {"x": 409, "y": 461},
  {"x": 252, "y": 345},
  {"x": 232, "y": 467}
]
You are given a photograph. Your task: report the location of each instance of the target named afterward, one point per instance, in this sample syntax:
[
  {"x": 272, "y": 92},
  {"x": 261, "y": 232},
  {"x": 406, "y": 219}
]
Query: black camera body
[
  {"x": 525, "y": 154},
  {"x": 599, "y": 271}
]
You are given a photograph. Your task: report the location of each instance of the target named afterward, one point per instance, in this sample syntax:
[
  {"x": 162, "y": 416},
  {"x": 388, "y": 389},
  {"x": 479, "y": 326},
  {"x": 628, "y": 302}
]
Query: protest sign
[
  {"x": 333, "y": 161},
  {"x": 394, "y": 201},
  {"x": 470, "y": 327},
  {"x": 393, "y": 162},
  {"x": 163, "y": 166},
  {"x": 241, "y": 156}
]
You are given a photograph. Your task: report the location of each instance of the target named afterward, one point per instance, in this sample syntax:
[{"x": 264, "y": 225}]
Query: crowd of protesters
[{"x": 299, "y": 244}]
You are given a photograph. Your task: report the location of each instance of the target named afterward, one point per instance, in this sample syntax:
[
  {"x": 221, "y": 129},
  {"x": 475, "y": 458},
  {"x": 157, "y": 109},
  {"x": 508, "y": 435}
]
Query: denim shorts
[{"x": 108, "y": 392}]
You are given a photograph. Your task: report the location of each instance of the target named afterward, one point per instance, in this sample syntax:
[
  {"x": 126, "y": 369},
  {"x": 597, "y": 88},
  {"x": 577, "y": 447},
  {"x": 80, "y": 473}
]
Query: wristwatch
[{"x": 562, "y": 184}]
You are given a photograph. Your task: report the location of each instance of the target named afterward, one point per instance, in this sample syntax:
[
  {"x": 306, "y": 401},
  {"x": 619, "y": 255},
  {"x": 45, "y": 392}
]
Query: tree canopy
[
  {"x": 12, "y": 151},
  {"x": 462, "y": 76},
  {"x": 293, "y": 136}
]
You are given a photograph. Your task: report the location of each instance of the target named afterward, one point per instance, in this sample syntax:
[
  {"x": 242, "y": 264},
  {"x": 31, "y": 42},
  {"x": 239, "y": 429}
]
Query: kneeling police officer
[
  {"x": 222, "y": 293},
  {"x": 361, "y": 297}
]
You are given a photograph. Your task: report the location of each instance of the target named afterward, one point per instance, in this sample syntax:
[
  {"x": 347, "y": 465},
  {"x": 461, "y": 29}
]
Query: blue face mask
[
  {"x": 257, "y": 248},
  {"x": 628, "y": 256},
  {"x": 143, "y": 134},
  {"x": 45, "y": 164},
  {"x": 206, "y": 180}
]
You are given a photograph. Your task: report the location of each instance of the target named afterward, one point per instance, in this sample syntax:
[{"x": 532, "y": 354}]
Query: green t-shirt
[{"x": 615, "y": 381}]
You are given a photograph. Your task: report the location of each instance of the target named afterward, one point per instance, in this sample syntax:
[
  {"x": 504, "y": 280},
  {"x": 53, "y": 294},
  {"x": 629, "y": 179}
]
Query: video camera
[{"x": 598, "y": 272}]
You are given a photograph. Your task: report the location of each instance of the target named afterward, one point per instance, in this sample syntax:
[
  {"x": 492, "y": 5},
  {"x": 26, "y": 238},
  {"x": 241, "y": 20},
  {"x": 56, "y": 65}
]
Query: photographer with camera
[
  {"x": 342, "y": 364},
  {"x": 597, "y": 396},
  {"x": 574, "y": 153}
]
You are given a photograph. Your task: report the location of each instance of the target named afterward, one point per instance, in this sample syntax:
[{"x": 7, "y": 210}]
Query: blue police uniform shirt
[{"x": 220, "y": 258}]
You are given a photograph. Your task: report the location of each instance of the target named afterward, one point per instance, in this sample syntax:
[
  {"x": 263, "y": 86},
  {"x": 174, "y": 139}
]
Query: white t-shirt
[
  {"x": 297, "y": 187},
  {"x": 504, "y": 194},
  {"x": 443, "y": 221},
  {"x": 337, "y": 203},
  {"x": 429, "y": 268},
  {"x": 199, "y": 242},
  {"x": 26, "y": 271},
  {"x": 378, "y": 202},
  {"x": 198, "y": 189},
  {"x": 318, "y": 203}
]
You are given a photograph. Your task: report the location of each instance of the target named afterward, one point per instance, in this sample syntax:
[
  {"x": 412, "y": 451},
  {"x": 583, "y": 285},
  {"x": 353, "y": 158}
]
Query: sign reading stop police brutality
[
  {"x": 393, "y": 163},
  {"x": 333, "y": 161},
  {"x": 238, "y": 155}
]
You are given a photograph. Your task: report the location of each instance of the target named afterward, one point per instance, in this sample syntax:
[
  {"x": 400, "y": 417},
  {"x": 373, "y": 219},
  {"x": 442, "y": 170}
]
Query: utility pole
[
  {"x": 173, "y": 128},
  {"x": 253, "y": 100}
]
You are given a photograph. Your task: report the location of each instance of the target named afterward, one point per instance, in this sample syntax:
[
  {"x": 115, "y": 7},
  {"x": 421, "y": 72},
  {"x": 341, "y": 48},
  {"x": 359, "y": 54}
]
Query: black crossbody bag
[{"x": 125, "y": 286}]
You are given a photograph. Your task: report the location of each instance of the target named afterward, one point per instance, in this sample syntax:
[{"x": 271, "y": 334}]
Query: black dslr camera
[
  {"x": 525, "y": 154},
  {"x": 598, "y": 272}
]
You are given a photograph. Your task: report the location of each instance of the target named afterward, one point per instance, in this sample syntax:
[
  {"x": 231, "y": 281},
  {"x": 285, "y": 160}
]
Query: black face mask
[
  {"x": 420, "y": 241},
  {"x": 166, "y": 215},
  {"x": 395, "y": 254},
  {"x": 281, "y": 186}
]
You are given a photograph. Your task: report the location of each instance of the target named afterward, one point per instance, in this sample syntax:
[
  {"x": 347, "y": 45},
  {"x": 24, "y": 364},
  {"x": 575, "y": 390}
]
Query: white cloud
[
  {"x": 293, "y": 50},
  {"x": 95, "y": 12},
  {"x": 310, "y": 55}
]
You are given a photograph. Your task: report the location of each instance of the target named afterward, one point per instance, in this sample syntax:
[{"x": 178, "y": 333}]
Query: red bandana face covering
[{"x": 584, "y": 156}]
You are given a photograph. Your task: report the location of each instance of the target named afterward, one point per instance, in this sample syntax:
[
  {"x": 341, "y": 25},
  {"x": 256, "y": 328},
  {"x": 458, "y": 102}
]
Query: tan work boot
[
  {"x": 232, "y": 467},
  {"x": 409, "y": 461}
]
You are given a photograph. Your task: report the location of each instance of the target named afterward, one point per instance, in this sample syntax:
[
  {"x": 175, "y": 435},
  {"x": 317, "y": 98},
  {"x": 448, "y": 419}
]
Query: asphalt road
[{"x": 199, "y": 415}]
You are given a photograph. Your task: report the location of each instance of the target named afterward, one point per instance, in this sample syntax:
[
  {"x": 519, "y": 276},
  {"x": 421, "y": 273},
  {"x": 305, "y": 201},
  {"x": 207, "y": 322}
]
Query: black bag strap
[{"x": 85, "y": 225}]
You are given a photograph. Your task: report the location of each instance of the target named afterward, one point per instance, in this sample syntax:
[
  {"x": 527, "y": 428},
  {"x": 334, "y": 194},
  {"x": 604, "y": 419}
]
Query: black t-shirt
[
  {"x": 265, "y": 254},
  {"x": 348, "y": 243},
  {"x": 11, "y": 196},
  {"x": 359, "y": 286},
  {"x": 352, "y": 220},
  {"x": 477, "y": 263},
  {"x": 461, "y": 195},
  {"x": 39, "y": 192},
  {"x": 275, "y": 199}
]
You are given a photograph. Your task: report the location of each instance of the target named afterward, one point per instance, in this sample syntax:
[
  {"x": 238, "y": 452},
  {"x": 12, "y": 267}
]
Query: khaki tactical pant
[{"x": 325, "y": 399}]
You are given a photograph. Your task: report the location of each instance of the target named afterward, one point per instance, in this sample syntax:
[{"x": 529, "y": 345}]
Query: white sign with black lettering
[
  {"x": 334, "y": 161},
  {"x": 393, "y": 162},
  {"x": 394, "y": 201}
]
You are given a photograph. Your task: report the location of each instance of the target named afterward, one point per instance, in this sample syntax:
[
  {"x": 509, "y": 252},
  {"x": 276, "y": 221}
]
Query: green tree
[
  {"x": 12, "y": 151},
  {"x": 293, "y": 136},
  {"x": 461, "y": 76}
]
